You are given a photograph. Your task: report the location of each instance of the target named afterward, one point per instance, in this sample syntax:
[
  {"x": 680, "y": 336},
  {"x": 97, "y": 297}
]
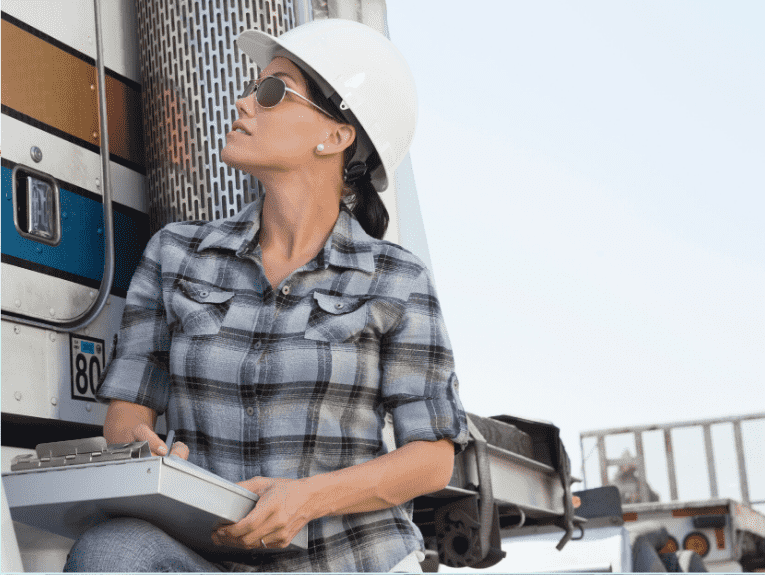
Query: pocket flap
[
  {"x": 203, "y": 293},
  {"x": 336, "y": 304}
]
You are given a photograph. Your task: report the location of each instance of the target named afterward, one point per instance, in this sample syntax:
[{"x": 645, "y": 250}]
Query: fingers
[
  {"x": 253, "y": 540},
  {"x": 278, "y": 539},
  {"x": 143, "y": 432},
  {"x": 180, "y": 449},
  {"x": 254, "y": 530},
  {"x": 246, "y": 534}
]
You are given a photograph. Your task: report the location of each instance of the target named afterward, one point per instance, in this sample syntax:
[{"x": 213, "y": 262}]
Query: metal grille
[{"x": 192, "y": 74}]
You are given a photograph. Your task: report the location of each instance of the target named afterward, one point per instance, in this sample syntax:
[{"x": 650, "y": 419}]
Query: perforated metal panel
[{"x": 192, "y": 74}]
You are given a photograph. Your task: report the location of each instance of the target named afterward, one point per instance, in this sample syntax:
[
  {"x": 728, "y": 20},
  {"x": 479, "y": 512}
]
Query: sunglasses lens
[{"x": 270, "y": 92}]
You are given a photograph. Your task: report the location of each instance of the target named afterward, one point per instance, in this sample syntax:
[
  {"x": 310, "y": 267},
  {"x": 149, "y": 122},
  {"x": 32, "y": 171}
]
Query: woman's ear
[{"x": 342, "y": 137}]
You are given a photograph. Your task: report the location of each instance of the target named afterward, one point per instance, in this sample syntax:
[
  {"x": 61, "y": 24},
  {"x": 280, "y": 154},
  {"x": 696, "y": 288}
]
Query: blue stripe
[{"x": 81, "y": 251}]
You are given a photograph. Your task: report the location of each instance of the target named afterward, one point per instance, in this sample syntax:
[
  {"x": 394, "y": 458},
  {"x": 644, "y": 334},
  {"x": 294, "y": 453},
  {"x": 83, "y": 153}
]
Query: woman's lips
[{"x": 238, "y": 125}]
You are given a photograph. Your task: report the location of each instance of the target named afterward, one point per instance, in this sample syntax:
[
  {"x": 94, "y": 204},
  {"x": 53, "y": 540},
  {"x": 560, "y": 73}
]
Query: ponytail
[{"x": 367, "y": 207}]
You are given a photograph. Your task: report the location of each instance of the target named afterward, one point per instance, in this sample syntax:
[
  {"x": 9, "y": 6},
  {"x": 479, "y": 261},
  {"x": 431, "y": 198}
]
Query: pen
[{"x": 169, "y": 441}]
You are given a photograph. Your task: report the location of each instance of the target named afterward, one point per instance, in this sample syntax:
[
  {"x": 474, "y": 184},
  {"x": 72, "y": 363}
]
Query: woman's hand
[
  {"x": 283, "y": 509},
  {"x": 286, "y": 505},
  {"x": 143, "y": 432}
]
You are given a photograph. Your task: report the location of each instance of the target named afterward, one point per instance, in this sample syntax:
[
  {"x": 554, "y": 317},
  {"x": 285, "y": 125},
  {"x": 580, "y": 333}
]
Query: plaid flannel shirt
[{"x": 295, "y": 381}]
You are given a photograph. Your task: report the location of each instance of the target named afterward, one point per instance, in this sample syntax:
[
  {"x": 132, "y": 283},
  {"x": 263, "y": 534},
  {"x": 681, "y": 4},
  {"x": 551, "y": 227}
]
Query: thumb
[
  {"x": 257, "y": 485},
  {"x": 180, "y": 449}
]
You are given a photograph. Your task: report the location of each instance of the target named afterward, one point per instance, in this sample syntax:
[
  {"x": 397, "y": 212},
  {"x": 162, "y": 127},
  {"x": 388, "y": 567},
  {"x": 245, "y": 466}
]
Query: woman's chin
[{"x": 229, "y": 157}]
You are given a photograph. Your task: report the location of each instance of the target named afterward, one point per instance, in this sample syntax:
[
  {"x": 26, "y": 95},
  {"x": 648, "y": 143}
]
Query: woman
[{"x": 276, "y": 340}]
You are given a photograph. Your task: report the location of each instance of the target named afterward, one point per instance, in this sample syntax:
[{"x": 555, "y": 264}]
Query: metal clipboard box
[{"x": 56, "y": 492}]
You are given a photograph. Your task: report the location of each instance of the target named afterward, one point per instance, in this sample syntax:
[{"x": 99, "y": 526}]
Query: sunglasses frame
[{"x": 253, "y": 85}]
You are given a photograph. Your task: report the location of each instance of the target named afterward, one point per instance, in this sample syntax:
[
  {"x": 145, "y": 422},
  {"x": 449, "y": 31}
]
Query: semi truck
[{"x": 114, "y": 114}]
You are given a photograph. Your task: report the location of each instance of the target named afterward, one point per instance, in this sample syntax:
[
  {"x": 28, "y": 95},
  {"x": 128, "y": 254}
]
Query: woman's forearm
[{"x": 414, "y": 469}]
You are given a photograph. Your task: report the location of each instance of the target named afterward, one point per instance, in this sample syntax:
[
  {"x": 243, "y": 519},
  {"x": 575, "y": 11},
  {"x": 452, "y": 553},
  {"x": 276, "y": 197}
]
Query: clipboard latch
[{"x": 78, "y": 451}]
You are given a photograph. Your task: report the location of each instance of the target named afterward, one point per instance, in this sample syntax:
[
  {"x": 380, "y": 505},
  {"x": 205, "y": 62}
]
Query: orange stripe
[
  {"x": 720, "y": 535},
  {"x": 629, "y": 516},
  {"x": 719, "y": 510},
  {"x": 58, "y": 89}
]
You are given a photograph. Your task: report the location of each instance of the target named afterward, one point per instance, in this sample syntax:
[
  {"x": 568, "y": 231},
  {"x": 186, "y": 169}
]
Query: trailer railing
[{"x": 639, "y": 459}]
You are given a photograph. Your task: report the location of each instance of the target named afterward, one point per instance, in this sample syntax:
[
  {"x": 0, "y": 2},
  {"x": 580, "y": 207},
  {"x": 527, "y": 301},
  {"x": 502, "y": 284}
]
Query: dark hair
[{"x": 364, "y": 202}]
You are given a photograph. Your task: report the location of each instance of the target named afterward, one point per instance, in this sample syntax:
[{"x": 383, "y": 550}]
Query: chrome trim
[{"x": 56, "y": 202}]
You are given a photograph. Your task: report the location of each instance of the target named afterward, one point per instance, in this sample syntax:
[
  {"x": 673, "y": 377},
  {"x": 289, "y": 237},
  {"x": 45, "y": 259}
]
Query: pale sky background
[{"x": 591, "y": 180}]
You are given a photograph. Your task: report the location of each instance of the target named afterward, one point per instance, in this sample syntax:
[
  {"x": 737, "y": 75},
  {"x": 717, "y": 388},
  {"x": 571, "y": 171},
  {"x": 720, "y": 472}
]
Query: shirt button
[
  {"x": 250, "y": 411},
  {"x": 257, "y": 345},
  {"x": 286, "y": 290},
  {"x": 339, "y": 306},
  {"x": 203, "y": 294}
]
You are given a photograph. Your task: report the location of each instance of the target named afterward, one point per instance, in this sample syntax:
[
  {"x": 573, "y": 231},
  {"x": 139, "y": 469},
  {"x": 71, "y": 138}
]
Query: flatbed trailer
[{"x": 729, "y": 534}]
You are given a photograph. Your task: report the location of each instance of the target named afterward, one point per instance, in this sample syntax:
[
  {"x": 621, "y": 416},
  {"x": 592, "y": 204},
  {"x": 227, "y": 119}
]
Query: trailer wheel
[
  {"x": 691, "y": 562},
  {"x": 458, "y": 535}
]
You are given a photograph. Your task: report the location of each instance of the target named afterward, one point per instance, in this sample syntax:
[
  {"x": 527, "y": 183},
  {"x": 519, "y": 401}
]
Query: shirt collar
[
  {"x": 348, "y": 246},
  {"x": 235, "y": 232}
]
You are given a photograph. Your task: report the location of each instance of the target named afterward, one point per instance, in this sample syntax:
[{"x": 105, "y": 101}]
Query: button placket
[{"x": 250, "y": 415}]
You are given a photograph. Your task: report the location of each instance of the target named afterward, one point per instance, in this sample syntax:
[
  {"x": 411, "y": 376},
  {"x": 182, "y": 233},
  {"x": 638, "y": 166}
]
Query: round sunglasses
[{"x": 272, "y": 90}]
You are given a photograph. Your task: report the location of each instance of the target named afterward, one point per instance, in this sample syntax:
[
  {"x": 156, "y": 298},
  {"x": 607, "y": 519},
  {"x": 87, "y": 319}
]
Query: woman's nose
[{"x": 246, "y": 105}]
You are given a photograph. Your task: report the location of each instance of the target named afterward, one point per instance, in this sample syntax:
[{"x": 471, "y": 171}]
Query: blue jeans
[{"x": 131, "y": 545}]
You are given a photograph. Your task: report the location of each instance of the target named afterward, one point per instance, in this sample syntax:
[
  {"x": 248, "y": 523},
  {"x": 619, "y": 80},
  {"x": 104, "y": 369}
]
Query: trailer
[
  {"x": 99, "y": 152},
  {"x": 728, "y": 534}
]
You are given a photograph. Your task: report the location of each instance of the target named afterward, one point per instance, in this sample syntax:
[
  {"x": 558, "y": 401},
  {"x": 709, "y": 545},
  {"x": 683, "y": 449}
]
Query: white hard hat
[{"x": 361, "y": 71}]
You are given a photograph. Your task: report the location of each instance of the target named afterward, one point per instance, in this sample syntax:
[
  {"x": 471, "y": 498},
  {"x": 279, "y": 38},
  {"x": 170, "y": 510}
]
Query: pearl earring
[{"x": 320, "y": 148}]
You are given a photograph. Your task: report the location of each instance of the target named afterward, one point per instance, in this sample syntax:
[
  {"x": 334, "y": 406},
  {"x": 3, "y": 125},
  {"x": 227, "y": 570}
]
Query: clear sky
[{"x": 591, "y": 177}]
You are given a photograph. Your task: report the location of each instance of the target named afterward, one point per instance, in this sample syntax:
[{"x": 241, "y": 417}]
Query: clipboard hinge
[{"x": 77, "y": 451}]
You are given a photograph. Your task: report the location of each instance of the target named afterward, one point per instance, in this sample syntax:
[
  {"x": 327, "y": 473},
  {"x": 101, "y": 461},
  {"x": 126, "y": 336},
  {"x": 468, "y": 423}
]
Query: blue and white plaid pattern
[{"x": 291, "y": 382}]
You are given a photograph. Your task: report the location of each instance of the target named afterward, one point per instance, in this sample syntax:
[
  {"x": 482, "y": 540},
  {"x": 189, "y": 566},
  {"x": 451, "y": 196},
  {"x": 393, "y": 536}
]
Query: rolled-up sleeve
[
  {"x": 419, "y": 386},
  {"x": 138, "y": 372}
]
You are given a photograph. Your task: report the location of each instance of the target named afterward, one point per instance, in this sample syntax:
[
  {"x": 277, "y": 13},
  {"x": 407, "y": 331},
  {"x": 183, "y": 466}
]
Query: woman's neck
[{"x": 296, "y": 223}]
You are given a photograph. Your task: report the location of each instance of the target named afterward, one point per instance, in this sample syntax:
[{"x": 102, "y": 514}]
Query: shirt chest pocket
[
  {"x": 200, "y": 308},
  {"x": 337, "y": 319}
]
